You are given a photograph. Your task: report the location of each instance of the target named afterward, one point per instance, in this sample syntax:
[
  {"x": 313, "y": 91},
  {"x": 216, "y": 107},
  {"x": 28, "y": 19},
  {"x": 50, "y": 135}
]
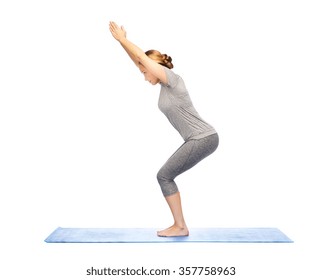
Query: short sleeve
[{"x": 172, "y": 78}]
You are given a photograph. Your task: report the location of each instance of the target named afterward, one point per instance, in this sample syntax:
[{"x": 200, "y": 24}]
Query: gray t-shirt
[{"x": 175, "y": 103}]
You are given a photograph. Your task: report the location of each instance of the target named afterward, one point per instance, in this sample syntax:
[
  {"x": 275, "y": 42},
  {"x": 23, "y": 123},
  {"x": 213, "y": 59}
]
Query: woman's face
[{"x": 148, "y": 76}]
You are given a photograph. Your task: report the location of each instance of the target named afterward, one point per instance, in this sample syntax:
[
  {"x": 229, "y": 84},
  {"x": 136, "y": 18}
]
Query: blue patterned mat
[{"x": 148, "y": 235}]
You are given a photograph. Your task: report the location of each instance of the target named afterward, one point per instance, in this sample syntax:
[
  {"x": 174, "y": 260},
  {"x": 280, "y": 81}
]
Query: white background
[{"x": 82, "y": 138}]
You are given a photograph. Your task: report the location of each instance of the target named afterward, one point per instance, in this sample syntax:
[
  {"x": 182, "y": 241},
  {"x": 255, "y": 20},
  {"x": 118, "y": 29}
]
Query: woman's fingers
[
  {"x": 114, "y": 25},
  {"x": 117, "y": 32},
  {"x": 114, "y": 28}
]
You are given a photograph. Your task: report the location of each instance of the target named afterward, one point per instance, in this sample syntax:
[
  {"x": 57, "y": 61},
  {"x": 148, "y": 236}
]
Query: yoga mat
[{"x": 148, "y": 235}]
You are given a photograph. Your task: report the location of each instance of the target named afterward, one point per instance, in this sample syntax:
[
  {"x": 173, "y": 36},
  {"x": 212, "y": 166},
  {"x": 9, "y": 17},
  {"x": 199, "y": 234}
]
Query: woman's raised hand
[{"x": 117, "y": 32}]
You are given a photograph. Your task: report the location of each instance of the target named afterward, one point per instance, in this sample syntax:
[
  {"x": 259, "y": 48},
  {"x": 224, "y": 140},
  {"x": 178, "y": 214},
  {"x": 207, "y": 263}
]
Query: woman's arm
[
  {"x": 119, "y": 33},
  {"x": 136, "y": 54}
]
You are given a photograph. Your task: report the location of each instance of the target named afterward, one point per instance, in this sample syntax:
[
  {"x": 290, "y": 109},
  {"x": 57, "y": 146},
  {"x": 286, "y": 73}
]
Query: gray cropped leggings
[{"x": 187, "y": 156}]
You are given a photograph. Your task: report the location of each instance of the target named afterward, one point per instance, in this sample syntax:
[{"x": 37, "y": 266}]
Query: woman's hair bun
[
  {"x": 162, "y": 59},
  {"x": 167, "y": 60}
]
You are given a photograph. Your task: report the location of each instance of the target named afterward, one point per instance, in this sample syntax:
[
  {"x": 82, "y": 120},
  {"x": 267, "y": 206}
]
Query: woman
[{"x": 200, "y": 138}]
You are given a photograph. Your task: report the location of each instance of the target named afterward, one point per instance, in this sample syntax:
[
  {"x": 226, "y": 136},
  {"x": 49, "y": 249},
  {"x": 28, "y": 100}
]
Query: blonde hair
[{"x": 160, "y": 58}]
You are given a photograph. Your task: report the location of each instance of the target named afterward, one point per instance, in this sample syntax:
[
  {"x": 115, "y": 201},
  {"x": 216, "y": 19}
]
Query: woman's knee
[
  {"x": 166, "y": 182},
  {"x": 162, "y": 176}
]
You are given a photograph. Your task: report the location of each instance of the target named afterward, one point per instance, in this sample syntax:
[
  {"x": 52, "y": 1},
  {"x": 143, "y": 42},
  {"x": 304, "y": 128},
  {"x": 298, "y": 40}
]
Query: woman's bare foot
[{"x": 174, "y": 230}]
